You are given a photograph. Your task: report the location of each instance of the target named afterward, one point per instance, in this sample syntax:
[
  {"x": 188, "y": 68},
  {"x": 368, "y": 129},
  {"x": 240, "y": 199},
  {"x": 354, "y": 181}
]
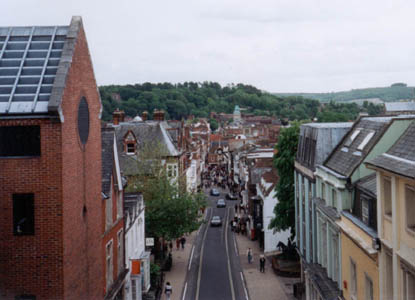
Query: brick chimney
[
  {"x": 158, "y": 115},
  {"x": 118, "y": 116},
  {"x": 144, "y": 116}
]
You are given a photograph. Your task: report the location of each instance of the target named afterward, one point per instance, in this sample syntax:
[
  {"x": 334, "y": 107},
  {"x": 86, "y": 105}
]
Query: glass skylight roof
[{"x": 29, "y": 59}]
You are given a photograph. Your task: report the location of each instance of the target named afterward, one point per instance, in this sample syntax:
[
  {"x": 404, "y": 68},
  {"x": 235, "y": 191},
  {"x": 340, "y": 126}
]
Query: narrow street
[{"x": 215, "y": 271}]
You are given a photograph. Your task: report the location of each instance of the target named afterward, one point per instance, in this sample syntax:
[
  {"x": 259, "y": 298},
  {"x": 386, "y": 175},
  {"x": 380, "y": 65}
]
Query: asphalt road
[{"x": 214, "y": 271}]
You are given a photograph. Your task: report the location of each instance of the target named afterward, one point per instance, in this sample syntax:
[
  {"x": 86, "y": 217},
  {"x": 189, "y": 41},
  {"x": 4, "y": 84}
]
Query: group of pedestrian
[
  {"x": 180, "y": 241},
  {"x": 250, "y": 257}
]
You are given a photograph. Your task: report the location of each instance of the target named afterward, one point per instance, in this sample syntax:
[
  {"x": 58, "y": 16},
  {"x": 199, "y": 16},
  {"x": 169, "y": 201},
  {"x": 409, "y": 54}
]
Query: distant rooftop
[
  {"x": 399, "y": 106},
  {"x": 329, "y": 125}
]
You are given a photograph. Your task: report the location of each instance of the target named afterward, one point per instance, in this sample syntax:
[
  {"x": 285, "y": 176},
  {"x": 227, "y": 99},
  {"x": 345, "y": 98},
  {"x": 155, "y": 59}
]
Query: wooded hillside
[{"x": 199, "y": 99}]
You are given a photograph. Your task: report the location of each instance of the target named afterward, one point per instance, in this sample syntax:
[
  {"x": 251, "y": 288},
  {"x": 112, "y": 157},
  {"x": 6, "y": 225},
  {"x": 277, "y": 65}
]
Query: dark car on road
[
  {"x": 220, "y": 203},
  {"x": 214, "y": 192},
  {"x": 231, "y": 196},
  {"x": 216, "y": 221}
]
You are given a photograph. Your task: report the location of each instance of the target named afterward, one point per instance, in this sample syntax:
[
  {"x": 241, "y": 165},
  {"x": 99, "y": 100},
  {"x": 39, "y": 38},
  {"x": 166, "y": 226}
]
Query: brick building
[
  {"x": 50, "y": 166},
  {"x": 113, "y": 241}
]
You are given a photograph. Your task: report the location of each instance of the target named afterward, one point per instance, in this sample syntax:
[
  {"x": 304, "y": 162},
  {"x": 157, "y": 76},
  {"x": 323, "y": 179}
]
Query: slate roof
[
  {"x": 34, "y": 63},
  {"x": 368, "y": 183},
  {"x": 399, "y": 106},
  {"x": 329, "y": 211},
  {"x": 400, "y": 158},
  {"x": 346, "y": 157},
  {"x": 317, "y": 140},
  {"x": 148, "y": 134},
  {"x": 328, "y": 288},
  {"x": 107, "y": 150}
]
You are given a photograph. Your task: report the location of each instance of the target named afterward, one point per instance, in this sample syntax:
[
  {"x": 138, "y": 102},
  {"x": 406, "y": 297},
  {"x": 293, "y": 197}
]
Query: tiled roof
[
  {"x": 356, "y": 144},
  {"x": 34, "y": 62},
  {"x": 400, "y": 158},
  {"x": 107, "y": 139}
]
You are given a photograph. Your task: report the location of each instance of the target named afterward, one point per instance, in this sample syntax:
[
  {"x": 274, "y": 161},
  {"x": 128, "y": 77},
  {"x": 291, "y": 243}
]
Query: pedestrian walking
[
  {"x": 168, "y": 290},
  {"x": 171, "y": 246},
  {"x": 262, "y": 264},
  {"x": 249, "y": 255},
  {"x": 183, "y": 241},
  {"x": 177, "y": 244},
  {"x": 236, "y": 208}
]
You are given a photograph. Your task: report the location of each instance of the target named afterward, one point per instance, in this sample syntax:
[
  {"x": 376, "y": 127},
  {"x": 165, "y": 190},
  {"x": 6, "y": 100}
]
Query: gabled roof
[
  {"x": 34, "y": 64},
  {"x": 356, "y": 144},
  {"x": 400, "y": 158},
  {"x": 148, "y": 134}
]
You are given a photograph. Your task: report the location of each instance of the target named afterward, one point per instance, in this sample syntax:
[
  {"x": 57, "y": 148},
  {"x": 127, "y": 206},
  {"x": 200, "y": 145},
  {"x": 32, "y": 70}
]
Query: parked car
[
  {"x": 221, "y": 203},
  {"x": 216, "y": 221},
  {"x": 231, "y": 196},
  {"x": 214, "y": 192}
]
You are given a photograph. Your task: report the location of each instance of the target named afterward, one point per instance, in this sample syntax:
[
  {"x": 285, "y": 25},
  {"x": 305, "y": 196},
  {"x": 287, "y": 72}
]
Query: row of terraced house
[{"x": 355, "y": 209}]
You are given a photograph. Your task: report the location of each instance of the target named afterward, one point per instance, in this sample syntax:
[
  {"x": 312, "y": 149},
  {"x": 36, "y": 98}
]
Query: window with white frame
[
  {"x": 335, "y": 245},
  {"x": 324, "y": 244},
  {"x": 387, "y": 196},
  {"x": 109, "y": 265},
  {"x": 368, "y": 288},
  {"x": 353, "y": 279},
  {"x": 134, "y": 289},
  {"x": 120, "y": 251},
  {"x": 169, "y": 170},
  {"x": 323, "y": 191},
  {"x": 410, "y": 207},
  {"x": 365, "y": 210},
  {"x": 333, "y": 197},
  {"x": 408, "y": 284}
]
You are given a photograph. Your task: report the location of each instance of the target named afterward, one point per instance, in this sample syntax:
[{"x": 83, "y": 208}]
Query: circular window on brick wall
[{"x": 83, "y": 120}]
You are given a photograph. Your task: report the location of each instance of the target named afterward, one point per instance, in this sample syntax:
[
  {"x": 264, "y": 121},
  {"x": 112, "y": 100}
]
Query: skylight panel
[
  {"x": 366, "y": 140},
  {"x": 352, "y": 137}
]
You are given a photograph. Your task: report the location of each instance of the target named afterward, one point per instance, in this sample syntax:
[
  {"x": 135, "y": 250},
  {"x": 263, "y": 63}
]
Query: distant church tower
[{"x": 237, "y": 115}]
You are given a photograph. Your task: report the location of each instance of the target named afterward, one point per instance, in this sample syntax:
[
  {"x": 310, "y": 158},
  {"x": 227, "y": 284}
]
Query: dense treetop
[{"x": 200, "y": 99}]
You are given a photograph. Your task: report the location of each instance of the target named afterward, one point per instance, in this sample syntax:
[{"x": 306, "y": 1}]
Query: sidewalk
[
  {"x": 177, "y": 275},
  {"x": 262, "y": 286}
]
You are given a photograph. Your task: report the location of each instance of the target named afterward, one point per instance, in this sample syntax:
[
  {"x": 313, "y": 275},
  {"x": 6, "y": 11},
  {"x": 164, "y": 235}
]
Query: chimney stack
[
  {"x": 158, "y": 115},
  {"x": 118, "y": 116},
  {"x": 144, "y": 116}
]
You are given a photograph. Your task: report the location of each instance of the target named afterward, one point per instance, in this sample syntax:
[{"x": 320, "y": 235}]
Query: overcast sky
[{"x": 278, "y": 46}]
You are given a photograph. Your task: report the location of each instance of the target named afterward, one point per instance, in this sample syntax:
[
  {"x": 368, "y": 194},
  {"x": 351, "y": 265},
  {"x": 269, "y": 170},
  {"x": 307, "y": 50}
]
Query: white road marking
[
  {"x": 200, "y": 261},
  {"x": 227, "y": 255},
  {"x": 243, "y": 284},
  {"x": 185, "y": 289},
  {"x": 234, "y": 243},
  {"x": 191, "y": 257}
]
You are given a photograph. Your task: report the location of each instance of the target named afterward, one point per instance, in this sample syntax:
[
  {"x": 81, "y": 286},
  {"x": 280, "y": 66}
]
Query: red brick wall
[
  {"x": 33, "y": 264},
  {"x": 112, "y": 234},
  {"x": 81, "y": 167}
]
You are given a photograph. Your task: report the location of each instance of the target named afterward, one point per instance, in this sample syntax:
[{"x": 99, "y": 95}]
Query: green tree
[
  {"x": 284, "y": 210},
  {"x": 213, "y": 124},
  {"x": 171, "y": 211}
]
